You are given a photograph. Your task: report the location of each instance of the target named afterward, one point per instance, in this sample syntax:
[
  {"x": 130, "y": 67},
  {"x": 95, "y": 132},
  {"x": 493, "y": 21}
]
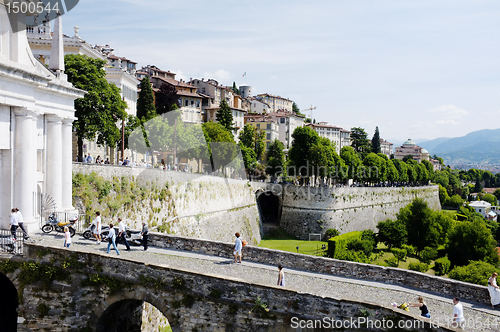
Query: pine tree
[
  {"x": 225, "y": 116},
  {"x": 376, "y": 141},
  {"x": 146, "y": 109}
]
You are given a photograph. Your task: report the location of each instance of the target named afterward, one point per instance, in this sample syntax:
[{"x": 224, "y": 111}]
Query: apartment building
[
  {"x": 341, "y": 137},
  {"x": 264, "y": 123},
  {"x": 276, "y": 102}
]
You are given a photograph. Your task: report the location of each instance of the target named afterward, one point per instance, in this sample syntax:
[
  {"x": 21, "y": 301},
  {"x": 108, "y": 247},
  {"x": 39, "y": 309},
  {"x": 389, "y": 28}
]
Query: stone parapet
[{"x": 389, "y": 275}]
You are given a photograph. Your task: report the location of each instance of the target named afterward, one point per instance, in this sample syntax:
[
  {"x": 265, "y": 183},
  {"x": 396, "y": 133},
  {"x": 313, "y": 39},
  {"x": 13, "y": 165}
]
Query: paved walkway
[{"x": 480, "y": 317}]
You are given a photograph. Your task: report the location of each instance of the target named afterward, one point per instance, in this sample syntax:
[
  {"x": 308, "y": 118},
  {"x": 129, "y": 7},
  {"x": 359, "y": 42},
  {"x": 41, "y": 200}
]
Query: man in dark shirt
[{"x": 145, "y": 233}]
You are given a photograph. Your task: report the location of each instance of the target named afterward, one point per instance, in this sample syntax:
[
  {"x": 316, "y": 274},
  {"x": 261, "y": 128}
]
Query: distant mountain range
[{"x": 480, "y": 147}]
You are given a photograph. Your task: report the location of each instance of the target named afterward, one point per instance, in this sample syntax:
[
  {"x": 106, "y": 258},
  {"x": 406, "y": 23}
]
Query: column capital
[
  {"x": 68, "y": 121},
  {"x": 53, "y": 118},
  {"x": 23, "y": 111}
]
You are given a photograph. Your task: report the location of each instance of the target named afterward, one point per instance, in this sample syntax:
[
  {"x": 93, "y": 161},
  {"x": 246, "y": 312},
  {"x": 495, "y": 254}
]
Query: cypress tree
[
  {"x": 376, "y": 141},
  {"x": 225, "y": 116},
  {"x": 146, "y": 109}
]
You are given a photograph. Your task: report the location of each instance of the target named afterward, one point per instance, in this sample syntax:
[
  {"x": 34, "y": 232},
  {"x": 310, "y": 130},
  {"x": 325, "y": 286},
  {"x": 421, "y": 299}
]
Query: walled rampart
[
  {"x": 315, "y": 209},
  {"x": 199, "y": 206}
]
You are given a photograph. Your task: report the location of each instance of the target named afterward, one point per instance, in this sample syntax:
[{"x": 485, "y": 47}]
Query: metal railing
[{"x": 9, "y": 244}]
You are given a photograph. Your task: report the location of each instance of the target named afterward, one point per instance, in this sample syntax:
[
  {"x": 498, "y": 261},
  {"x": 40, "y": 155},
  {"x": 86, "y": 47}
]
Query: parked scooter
[
  {"x": 133, "y": 236},
  {"x": 54, "y": 224}
]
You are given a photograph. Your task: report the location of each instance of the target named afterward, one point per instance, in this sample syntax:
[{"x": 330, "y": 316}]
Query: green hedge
[
  {"x": 338, "y": 244},
  {"x": 442, "y": 266},
  {"x": 477, "y": 272}
]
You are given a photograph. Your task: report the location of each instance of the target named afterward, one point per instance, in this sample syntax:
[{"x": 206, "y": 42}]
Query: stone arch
[
  {"x": 270, "y": 206},
  {"x": 127, "y": 300},
  {"x": 8, "y": 304}
]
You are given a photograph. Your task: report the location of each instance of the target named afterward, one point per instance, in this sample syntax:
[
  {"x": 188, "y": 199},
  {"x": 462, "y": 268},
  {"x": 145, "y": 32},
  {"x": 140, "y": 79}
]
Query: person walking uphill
[
  {"x": 13, "y": 223},
  {"x": 111, "y": 239},
  {"x": 422, "y": 306},
  {"x": 237, "y": 248},
  {"x": 145, "y": 234},
  {"x": 20, "y": 222}
]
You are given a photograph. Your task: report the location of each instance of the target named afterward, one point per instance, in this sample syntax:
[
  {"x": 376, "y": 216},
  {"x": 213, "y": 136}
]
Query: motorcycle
[
  {"x": 54, "y": 224},
  {"x": 133, "y": 236}
]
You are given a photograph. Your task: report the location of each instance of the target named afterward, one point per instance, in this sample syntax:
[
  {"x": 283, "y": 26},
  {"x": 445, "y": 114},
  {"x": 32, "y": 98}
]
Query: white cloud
[
  {"x": 449, "y": 110},
  {"x": 447, "y": 123}
]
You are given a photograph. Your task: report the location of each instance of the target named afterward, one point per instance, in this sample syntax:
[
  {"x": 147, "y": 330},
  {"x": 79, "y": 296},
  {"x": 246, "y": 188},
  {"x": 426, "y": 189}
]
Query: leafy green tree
[
  {"x": 402, "y": 170},
  {"x": 260, "y": 144},
  {"x": 146, "y": 108},
  {"x": 296, "y": 109},
  {"x": 471, "y": 241},
  {"x": 331, "y": 232},
  {"x": 359, "y": 141},
  {"x": 411, "y": 170},
  {"x": 391, "y": 171},
  {"x": 430, "y": 168},
  {"x": 101, "y": 108},
  {"x": 423, "y": 174},
  {"x": 376, "y": 141},
  {"x": 375, "y": 170},
  {"x": 490, "y": 199},
  {"x": 478, "y": 187},
  {"x": 225, "y": 116},
  {"x": 221, "y": 145},
  {"x": 275, "y": 159},
  {"x": 419, "y": 222},
  {"x": 392, "y": 232},
  {"x": 351, "y": 160},
  {"x": 475, "y": 272},
  {"x": 400, "y": 254},
  {"x": 167, "y": 99},
  {"x": 497, "y": 193},
  {"x": 455, "y": 201},
  {"x": 247, "y": 136},
  {"x": 249, "y": 157},
  {"x": 299, "y": 155}
]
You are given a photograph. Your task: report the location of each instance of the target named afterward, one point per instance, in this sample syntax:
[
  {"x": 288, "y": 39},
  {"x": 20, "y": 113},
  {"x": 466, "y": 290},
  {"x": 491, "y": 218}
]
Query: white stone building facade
[{"x": 36, "y": 117}]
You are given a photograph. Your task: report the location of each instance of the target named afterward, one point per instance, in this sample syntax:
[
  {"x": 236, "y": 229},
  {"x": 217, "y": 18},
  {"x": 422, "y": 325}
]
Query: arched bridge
[{"x": 86, "y": 289}]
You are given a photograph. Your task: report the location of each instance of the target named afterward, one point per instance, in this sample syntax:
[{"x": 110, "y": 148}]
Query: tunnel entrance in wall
[
  {"x": 8, "y": 304},
  {"x": 132, "y": 316},
  {"x": 270, "y": 206}
]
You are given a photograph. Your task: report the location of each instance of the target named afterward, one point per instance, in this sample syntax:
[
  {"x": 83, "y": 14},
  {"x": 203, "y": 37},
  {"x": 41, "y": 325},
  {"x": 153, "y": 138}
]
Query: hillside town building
[
  {"x": 410, "y": 148},
  {"x": 339, "y": 136},
  {"x": 36, "y": 119},
  {"x": 120, "y": 71},
  {"x": 276, "y": 103}
]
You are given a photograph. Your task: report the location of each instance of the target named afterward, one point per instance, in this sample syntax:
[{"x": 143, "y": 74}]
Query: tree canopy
[
  {"x": 225, "y": 116},
  {"x": 376, "y": 141},
  {"x": 102, "y": 107},
  {"x": 146, "y": 108}
]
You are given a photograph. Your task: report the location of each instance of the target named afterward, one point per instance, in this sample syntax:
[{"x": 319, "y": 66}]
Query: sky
[{"x": 416, "y": 69}]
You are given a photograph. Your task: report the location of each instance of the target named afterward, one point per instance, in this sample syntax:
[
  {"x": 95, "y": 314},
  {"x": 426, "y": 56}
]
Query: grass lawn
[
  {"x": 280, "y": 240},
  {"x": 305, "y": 247}
]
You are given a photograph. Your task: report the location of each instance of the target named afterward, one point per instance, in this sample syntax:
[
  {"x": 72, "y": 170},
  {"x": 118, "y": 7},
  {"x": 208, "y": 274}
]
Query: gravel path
[{"x": 479, "y": 316}]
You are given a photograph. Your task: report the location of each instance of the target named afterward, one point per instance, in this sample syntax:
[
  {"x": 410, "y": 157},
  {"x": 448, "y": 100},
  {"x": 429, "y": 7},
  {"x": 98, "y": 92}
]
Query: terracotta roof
[{"x": 189, "y": 94}]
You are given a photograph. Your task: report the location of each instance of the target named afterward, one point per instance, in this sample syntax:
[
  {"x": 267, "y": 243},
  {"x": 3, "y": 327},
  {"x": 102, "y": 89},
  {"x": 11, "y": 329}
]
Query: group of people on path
[
  {"x": 16, "y": 220},
  {"x": 112, "y": 236}
]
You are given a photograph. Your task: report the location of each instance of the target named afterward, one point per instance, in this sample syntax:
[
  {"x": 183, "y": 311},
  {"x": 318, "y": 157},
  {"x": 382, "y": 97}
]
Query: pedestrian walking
[
  {"x": 97, "y": 227},
  {"x": 145, "y": 234},
  {"x": 13, "y": 223},
  {"x": 111, "y": 239},
  {"x": 67, "y": 237},
  {"x": 20, "y": 223},
  {"x": 237, "y": 248},
  {"x": 281, "y": 276},
  {"x": 458, "y": 313},
  {"x": 122, "y": 234}
]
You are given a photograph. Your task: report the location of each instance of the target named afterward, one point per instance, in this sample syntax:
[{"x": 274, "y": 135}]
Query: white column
[
  {"x": 67, "y": 166},
  {"x": 54, "y": 159},
  {"x": 25, "y": 161}
]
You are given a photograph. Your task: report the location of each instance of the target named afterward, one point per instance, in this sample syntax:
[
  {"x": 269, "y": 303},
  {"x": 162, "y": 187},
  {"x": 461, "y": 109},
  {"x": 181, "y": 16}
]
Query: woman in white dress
[{"x": 494, "y": 290}]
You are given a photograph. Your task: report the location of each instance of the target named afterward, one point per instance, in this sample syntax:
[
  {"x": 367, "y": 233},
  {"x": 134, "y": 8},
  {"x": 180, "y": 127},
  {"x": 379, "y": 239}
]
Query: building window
[
  {"x": 282, "y": 120},
  {"x": 197, "y": 104},
  {"x": 268, "y": 126},
  {"x": 186, "y": 102},
  {"x": 269, "y": 136},
  {"x": 258, "y": 125}
]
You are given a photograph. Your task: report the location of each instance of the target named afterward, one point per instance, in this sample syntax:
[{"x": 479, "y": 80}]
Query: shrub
[
  {"x": 364, "y": 246},
  {"x": 419, "y": 267},
  {"x": 410, "y": 250},
  {"x": 400, "y": 254},
  {"x": 338, "y": 244},
  {"x": 332, "y": 232},
  {"x": 428, "y": 254},
  {"x": 353, "y": 256},
  {"x": 392, "y": 262},
  {"x": 369, "y": 235},
  {"x": 442, "y": 266},
  {"x": 476, "y": 272},
  {"x": 392, "y": 233}
]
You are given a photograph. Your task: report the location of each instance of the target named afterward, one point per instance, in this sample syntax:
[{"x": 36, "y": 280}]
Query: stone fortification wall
[
  {"x": 190, "y": 300},
  {"x": 315, "y": 209},
  {"x": 443, "y": 286},
  {"x": 198, "y": 206}
]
